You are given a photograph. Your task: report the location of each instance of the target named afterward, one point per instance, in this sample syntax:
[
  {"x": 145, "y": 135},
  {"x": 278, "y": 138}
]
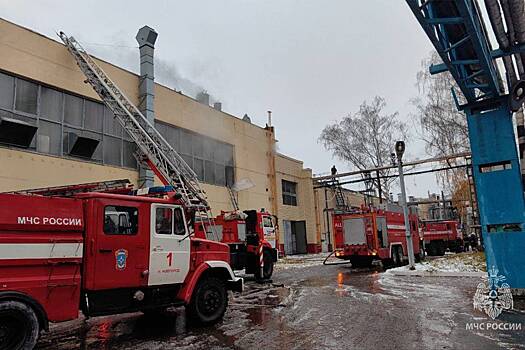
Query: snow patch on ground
[{"x": 463, "y": 262}]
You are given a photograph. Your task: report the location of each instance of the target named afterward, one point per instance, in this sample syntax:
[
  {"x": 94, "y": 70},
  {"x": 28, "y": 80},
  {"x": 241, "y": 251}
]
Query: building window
[
  {"x": 73, "y": 110},
  {"x": 58, "y": 114},
  {"x": 26, "y": 96},
  {"x": 211, "y": 160},
  {"x": 121, "y": 220},
  {"x": 51, "y": 105},
  {"x": 7, "y": 91},
  {"x": 289, "y": 190}
]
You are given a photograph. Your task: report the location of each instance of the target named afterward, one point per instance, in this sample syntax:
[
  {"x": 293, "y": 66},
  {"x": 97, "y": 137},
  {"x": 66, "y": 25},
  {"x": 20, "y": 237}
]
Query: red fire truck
[
  {"x": 374, "y": 234},
  {"x": 246, "y": 232},
  {"x": 440, "y": 235},
  {"x": 103, "y": 253}
]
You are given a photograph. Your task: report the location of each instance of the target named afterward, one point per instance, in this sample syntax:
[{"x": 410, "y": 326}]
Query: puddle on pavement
[
  {"x": 364, "y": 280},
  {"x": 123, "y": 331}
]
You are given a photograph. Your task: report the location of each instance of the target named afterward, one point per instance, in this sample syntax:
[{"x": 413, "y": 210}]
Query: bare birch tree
[
  {"x": 366, "y": 139},
  {"x": 443, "y": 128}
]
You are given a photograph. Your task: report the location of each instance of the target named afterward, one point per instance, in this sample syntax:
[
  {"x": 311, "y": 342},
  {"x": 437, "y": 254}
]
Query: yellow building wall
[
  {"x": 292, "y": 170},
  {"x": 36, "y": 57},
  {"x": 21, "y": 170}
]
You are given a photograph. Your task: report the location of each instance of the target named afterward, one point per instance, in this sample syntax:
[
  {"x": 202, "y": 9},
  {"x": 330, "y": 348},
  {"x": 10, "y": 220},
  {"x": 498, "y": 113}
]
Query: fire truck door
[
  {"x": 268, "y": 230},
  {"x": 169, "y": 246},
  {"x": 118, "y": 258}
]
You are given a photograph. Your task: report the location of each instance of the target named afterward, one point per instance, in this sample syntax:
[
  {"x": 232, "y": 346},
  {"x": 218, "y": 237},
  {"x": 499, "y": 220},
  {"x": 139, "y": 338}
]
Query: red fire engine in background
[
  {"x": 440, "y": 235},
  {"x": 246, "y": 232},
  {"x": 369, "y": 234}
]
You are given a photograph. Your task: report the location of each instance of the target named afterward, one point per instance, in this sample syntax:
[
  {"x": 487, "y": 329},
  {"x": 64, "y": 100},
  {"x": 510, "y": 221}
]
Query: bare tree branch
[
  {"x": 443, "y": 128},
  {"x": 366, "y": 139}
]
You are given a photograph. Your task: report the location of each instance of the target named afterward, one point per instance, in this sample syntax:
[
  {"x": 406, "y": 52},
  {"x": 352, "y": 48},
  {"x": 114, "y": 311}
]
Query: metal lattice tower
[{"x": 153, "y": 149}]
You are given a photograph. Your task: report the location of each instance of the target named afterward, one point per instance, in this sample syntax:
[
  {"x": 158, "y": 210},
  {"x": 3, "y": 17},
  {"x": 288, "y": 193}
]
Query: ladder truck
[
  {"x": 105, "y": 249},
  {"x": 367, "y": 234},
  {"x": 246, "y": 232}
]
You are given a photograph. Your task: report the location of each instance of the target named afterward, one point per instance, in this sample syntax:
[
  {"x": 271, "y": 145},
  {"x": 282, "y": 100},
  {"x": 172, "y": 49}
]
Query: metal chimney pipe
[{"x": 146, "y": 38}]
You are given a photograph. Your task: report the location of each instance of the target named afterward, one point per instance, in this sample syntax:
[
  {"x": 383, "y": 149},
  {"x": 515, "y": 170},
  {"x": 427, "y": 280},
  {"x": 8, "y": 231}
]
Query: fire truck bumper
[{"x": 236, "y": 284}]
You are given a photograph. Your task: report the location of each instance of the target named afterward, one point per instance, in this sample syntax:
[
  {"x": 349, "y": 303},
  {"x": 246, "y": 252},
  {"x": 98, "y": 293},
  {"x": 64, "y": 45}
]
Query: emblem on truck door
[{"x": 121, "y": 256}]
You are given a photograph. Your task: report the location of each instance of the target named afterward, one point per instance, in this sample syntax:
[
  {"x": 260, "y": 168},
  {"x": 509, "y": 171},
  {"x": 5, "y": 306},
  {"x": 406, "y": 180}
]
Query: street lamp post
[{"x": 400, "y": 149}]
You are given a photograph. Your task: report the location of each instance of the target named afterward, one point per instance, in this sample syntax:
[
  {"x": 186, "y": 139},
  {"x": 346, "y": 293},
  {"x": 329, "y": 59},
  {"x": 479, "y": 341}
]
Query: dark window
[
  {"x": 128, "y": 152},
  {"x": 164, "y": 221},
  {"x": 198, "y": 146},
  {"x": 208, "y": 148},
  {"x": 188, "y": 160},
  {"x": 48, "y": 138},
  {"x": 73, "y": 110},
  {"x": 180, "y": 229},
  {"x": 7, "y": 89},
  {"x": 209, "y": 172},
  {"x": 112, "y": 150},
  {"x": 111, "y": 124},
  {"x": 16, "y": 132},
  {"x": 121, "y": 220},
  {"x": 185, "y": 142},
  {"x": 51, "y": 104},
  {"x": 26, "y": 96},
  {"x": 289, "y": 190},
  {"x": 198, "y": 167},
  {"x": 94, "y": 116},
  {"x": 220, "y": 175},
  {"x": 229, "y": 176}
]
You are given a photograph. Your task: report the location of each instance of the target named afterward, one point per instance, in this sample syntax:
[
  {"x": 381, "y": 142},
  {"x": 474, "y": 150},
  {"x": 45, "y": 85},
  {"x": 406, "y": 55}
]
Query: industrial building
[{"x": 54, "y": 130}]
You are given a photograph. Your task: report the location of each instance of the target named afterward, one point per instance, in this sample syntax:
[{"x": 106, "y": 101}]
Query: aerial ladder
[
  {"x": 152, "y": 149},
  {"x": 458, "y": 32}
]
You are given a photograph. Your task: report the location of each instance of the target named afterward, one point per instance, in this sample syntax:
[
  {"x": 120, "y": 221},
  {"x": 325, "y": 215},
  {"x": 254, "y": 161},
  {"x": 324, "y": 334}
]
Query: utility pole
[{"x": 400, "y": 149}]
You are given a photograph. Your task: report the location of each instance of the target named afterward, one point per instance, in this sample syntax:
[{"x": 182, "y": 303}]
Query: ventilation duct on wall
[{"x": 16, "y": 132}]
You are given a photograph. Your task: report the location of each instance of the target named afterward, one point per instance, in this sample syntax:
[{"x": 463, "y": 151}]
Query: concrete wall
[
  {"x": 292, "y": 170},
  {"x": 36, "y": 57}
]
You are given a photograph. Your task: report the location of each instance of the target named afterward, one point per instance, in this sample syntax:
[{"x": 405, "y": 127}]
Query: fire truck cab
[
  {"x": 250, "y": 235},
  {"x": 372, "y": 234},
  {"x": 103, "y": 253}
]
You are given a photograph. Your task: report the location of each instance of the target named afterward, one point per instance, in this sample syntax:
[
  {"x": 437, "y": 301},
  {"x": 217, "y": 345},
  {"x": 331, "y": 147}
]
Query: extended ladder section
[
  {"x": 112, "y": 186},
  {"x": 233, "y": 199},
  {"x": 153, "y": 149}
]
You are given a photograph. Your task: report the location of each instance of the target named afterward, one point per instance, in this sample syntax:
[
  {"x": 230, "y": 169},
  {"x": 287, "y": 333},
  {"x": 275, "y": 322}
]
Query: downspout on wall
[{"x": 146, "y": 38}]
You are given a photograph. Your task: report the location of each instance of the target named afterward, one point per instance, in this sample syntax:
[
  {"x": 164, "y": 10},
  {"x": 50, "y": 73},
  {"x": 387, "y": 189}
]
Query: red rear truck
[
  {"x": 103, "y": 254},
  {"x": 440, "y": 235},
  {"x": 374, "y": 234},
  {"x": 248, "y": 234}
]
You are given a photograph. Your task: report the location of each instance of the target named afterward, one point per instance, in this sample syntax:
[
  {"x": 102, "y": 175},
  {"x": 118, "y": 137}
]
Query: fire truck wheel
[
  {"x": 19, "y": 328},
  {"x": 267, "y": 269},
  {"x": 208, "y": 303}
]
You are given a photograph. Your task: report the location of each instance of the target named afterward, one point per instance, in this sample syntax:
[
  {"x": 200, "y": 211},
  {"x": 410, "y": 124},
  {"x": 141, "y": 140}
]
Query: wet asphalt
[{"x": 314, "y": 307}]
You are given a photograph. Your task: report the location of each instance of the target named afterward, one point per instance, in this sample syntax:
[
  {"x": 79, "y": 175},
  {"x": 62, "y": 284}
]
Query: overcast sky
[{"x": 310, "y": 62}]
